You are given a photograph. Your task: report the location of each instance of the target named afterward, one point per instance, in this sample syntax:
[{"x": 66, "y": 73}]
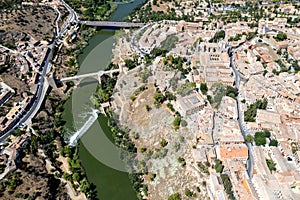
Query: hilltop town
[
  {"x": 229, "y": 90},
  {"x": 206, "y": 94}
]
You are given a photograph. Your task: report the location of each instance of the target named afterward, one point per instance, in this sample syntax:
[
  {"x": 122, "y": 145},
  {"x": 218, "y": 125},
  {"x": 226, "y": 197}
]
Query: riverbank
[{"x": 96, "y": 56}]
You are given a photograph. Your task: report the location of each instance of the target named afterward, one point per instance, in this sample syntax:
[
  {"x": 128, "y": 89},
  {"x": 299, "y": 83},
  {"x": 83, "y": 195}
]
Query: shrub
[{"x": 273, "y": 143}]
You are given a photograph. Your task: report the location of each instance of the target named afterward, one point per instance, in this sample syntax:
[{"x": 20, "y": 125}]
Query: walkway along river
[{"x": 110, "y": 183}]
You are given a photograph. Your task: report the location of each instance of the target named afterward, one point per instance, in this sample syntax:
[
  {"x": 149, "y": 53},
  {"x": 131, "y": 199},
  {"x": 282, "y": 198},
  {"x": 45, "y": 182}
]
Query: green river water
[{"x": 111, "y": 184}]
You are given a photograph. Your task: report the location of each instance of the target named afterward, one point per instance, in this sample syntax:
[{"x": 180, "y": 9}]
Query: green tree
[
  {"x": 148, "y": 108},
  {"x": 181, "y": 160},
  {"x": 280, "y": 37},
  {"x": 183, "y": 123},
  {"x": 163, "y": 143},
  {"x": 189, "y": 193},
  {"x": 249, "y": 138},
  {"x": 159, "y": 98},
  {"x": 176, "y": 122},
  {"x": 260, "y": 137},
  {"x": 175, "y": 196},
  {"x": 219, "y": 167},
  {"x": 228, "y": 186},
  {"x": 271, "y": 165},
  {"x": 260, "y": 141},
  {"x": 170, "y": 106},
  {"x": 273, "y": 143},
  {"x": 203, "y": 88},
  {"x": 76, "y": 177}
]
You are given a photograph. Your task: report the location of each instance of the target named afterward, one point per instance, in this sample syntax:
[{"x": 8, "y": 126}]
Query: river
[{"x": 111, "y": 184}]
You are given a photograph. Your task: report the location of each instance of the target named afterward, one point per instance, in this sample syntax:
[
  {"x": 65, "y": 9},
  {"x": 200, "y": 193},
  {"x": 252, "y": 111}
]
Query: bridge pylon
[{"x": 99, "y": 78}]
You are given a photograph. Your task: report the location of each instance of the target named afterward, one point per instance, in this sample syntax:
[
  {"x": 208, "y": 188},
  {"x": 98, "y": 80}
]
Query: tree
[
  {"x": 227, "y": 185},
  {"x": 163, "y": 143},
  {"x": 159, "y": 98},
  {"x": 183, "y": 123},
  {"x": 273, "y": 143},
  {"x": 231, "y": 92},
  {"x": 203, "y": 88},
  {"x": 271, "y": 165},
  {"x": 170, "y": 106},
  {"x": 249, "y": 138},
  {"x": 148, "y": 108},
  {"x": 251, "y": 111},
  {"x": 280, "y": 37},
  {"x": 260, "y": 137},
  {"x": 260, "y": 141},
  {"x": 186, "y": 88},
  {"x": 175, "y": 196},
  {"x": 170, "y": 96},
  {"x": 189, "y": 193},
  {"x": 85, "y": 187},
  {"x": 76, "y": 177},
  {"x": 130, "y": 64},
  {"x": 181, "y": 160},
  {"x": 218, "y": 36},
  {"x": 219, "y": 167},
  {"x": 176, "y": 122}
]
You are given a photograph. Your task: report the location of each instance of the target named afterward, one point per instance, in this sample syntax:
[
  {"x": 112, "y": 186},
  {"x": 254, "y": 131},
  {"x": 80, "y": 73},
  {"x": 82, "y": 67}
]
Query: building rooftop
[
  {"x": 234, "y": 151},
  {"x": 190, "y": 103}
]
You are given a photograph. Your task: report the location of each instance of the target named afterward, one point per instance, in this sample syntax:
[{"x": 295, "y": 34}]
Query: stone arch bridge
[{"x": 96, "y": 75}]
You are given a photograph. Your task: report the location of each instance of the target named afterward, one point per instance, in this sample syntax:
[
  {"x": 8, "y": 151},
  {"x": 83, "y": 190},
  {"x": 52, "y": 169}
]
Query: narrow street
[{"x": 250, "y": 162}]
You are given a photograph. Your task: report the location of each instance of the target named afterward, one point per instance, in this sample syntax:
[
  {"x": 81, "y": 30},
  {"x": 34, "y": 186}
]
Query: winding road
[{"x": 36, "y": 102}]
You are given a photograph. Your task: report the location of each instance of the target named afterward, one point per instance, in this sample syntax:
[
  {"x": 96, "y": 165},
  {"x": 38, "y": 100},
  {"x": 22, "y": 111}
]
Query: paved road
[
  {"x": 37, "y": 100},
  {"x": 250, "y": 162},
  {"x": 72, "y": 18}
]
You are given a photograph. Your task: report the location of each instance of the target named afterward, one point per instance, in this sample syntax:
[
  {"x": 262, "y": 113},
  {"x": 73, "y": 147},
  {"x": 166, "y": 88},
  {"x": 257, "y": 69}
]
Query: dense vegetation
[
  {"x": 271, "y": 165},
  {"x": 228, "y": 186},
  {"x": 219, "y": 90},
  {"x": 77, "y": 176},
  {"x": 145, "y": 14},
  {"x": 176, "y": 63},
  {"x": 237, "y": 37},
  {"x": 159, "y": 98},
  {"x": 189, "y": 193},
  {"x": 219, "y": 166},
  {"x": 176, "y": 122},
  {"x": 203, "y": 88},
  {"x": 105, "y": 89},
  {"x": 249, "y": 138},
  {"x": 175, "y": 196},
  {"x": 280, "y": 37},
  {"x": 220, "y": 35},
  {"x": 273, "y": 143},
  {"x": 231, "y": 16},
  {"x": 91, "y": 9},
  {"x": 49, "y": 138},
  {"x": 122, "y": 140},
  {"x": 186, "y": 88},
  {"x": 260, "y": 137},
  {"x": 250, "y": 113},
  {"x": 203, "y": 167},
  {"x": 158, "y": 52},
  {"x": 130, "y": 64},
  {"x": 10, "y": 4}
]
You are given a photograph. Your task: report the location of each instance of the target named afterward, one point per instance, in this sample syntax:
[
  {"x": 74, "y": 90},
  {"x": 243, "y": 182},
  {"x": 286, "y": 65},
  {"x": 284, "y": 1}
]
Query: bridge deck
[
  {"x": 94, "y": 74},
  {"x": 112, "y": 24}
]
